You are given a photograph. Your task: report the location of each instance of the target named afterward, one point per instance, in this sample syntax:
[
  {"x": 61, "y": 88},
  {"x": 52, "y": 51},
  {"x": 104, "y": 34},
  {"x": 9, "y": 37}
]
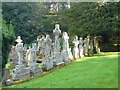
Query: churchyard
[
  {"x": 58, "y": 45},
  {"x": 49, "y": 62}
]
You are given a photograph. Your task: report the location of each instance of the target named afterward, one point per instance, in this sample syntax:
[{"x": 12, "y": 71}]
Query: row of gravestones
[{"x": 24, "y": 60}]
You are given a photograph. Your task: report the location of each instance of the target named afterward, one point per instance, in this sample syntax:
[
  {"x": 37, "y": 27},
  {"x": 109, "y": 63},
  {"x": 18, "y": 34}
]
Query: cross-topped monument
[{"x": 57, "y": 33}]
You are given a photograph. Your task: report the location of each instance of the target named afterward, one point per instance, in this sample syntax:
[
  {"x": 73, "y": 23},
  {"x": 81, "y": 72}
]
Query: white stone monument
[
  {"x": 58, "y": 60},
  {"x": 81, "y": 47},
  {"x": 75, "y": 49}
]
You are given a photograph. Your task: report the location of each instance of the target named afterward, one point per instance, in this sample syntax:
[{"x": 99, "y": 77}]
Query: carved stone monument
[
  {"x": 58, "y": 60},
  {"x": 21, "y": 71}
]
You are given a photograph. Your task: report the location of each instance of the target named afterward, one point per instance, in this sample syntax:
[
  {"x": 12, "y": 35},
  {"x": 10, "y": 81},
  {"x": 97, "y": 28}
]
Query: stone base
[
  {"x": 58, "y": 60},
  {"x": 34, "y": 69},
  {"x": 20, "y": 72},
  {"x": 47, "y": 64},
  {"x": 68, "y": 61}
]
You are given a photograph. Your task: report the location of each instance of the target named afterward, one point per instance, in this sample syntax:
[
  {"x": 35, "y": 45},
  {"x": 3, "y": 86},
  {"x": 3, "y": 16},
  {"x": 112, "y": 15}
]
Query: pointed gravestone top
[{"x": 65, "y": 36}]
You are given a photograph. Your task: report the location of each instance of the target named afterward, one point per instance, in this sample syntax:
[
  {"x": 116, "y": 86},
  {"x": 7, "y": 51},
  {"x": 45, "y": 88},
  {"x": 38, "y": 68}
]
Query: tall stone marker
[{"x": 58, "y": 60}]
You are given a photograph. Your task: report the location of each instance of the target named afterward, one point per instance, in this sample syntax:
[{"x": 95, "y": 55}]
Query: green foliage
[
  {"x": 92, "y": 18},
  {"x": 98, "y": 71},
  {"x": 26, "y": 18},
  {"x": 8, "y": 38}
]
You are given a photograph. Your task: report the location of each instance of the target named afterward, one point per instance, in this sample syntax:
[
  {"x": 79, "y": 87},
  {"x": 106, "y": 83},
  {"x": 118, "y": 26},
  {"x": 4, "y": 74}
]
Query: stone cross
[
  {"x": 57, "y": 33},
  {"x": 81, "y": 47},
  {"x": 75, "y": 49},
  {"x": 19, "y": 48}
]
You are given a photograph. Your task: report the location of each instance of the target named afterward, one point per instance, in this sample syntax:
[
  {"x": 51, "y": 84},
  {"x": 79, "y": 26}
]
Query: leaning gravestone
[
  {"x": 21, "y": 71},
  {"x": 13, "y": 58},
  {"x": 47, "y": 63},
  {"x": 81, "y": 48},
  {"x": 6, "y": 75},
  {"x": 66, "y": 50},
  {"x": 75, "y": 49},
  {"x": 58, "y": 60}
]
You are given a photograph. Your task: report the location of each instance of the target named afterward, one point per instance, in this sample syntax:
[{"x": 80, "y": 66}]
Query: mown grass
[{"x": 98, "y": 71}]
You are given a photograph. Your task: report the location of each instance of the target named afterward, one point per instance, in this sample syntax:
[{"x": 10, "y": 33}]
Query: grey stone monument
[
  {"x": 58, "y": 60},
  {"x": 21, "y": 71}
]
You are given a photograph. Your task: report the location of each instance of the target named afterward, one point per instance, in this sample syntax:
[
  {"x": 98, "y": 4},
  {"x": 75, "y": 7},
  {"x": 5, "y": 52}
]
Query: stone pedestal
[
  {"x": 47, "y": 64},
  {"x": 58, "y": 60},
  {"x": 66, "y": 59},
  {"x": 20, "y": 72},
  {"x": 34, "y": 69}
]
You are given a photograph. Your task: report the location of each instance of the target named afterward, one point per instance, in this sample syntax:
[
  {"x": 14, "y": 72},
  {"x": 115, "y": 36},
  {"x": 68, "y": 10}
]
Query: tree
[
  {"x": 8, "y": 38},
  {"x": 92, "y": 18},
  {"x": 26, "y": 18}
]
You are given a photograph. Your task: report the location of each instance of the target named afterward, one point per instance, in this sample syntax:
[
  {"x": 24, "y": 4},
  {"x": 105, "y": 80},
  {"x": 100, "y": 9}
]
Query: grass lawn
[{"x": 98, "y": 71}]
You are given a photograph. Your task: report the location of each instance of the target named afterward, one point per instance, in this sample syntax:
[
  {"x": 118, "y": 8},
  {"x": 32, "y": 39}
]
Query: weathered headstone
[
  {"x": 47, "y": 63},
  {"x": 81, "y": 48},
  {"x": 75, "y": 49},
  {"x": 13, "y": 56},
  {"x": 58, "y": 60},
  {"x": 6, "y": 75}
]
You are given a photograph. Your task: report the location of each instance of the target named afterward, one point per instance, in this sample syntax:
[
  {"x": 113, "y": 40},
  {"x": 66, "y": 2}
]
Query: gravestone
[
  {"x": 86, "y": 45},
  {"x": 91, "y": 47},
  {"x": 21, "y": 71},
  {"x": 41, "y": 48},
  {"x": 47, "y": 63},
  {"x": 13, "y": 58},
  {"x": 66, "y": 50},
  {"x": 81, "y": 47},
  {"x": 6, "y": 75},
  {"x": 75, "y": 49},
  {"x": 58, "y": 60},
  {"x": 96, "y": 45}
]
